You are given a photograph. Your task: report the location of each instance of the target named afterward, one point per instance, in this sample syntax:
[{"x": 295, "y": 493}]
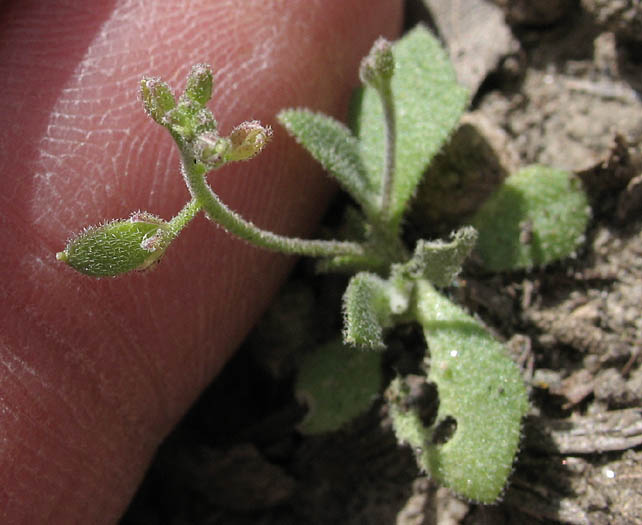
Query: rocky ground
[{"x": 557, "y": 82}]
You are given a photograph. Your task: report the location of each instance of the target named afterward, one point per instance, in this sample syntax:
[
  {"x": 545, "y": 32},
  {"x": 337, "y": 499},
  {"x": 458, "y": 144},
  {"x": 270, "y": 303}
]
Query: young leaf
[
  {"x": 428, "y": 105},
  {"x": 337, "y": 384},
  {"x": 333, "y": 145},
  {"x": 437, "y": 261},
  {"x": 482, "y": 399},
  {"x": 367, "y": 311},
  {"x": 537, "y": 216}
]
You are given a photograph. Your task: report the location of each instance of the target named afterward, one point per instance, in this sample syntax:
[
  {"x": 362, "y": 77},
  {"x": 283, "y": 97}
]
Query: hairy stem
[
  {"x": 194, "y": 174},
  {"x": 385, "y": 94},
  {"x": 184, "y": 217}
]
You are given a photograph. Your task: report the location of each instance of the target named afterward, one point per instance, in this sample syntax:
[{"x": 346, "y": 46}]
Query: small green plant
[{"x": 407, "y": 109}]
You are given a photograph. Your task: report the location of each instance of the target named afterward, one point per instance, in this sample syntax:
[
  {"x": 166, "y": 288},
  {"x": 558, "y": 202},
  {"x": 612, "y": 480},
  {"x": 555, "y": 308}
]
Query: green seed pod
[{"x": 119, "y": 246}]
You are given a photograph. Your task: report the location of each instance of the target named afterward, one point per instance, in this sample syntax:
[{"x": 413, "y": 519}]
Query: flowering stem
[
  {"x": 376, "y": 70},
  {"x": 184, "y": 217},
  {"x": 203, "y": 196},
  {"x": 385, "y": 94}
]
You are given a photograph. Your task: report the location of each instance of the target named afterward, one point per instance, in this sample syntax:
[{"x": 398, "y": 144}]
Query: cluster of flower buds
[
  {"x": 137, "y": 243},
  {"x": 193, "y": 126},
  {"x": 378, "y": 66}
]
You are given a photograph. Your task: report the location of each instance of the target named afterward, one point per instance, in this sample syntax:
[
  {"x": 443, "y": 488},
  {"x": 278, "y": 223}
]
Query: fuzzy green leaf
[
  {"x": 367, "y": 310},
  {"x": 480, "y": 391},
  {"x": 537, "y": 216},
  {"x": 338, "y": 384},
  {"x": 335, "y": 148},
  {"x": 428, "y": 105},
  {"x": 437, "y": 261}
]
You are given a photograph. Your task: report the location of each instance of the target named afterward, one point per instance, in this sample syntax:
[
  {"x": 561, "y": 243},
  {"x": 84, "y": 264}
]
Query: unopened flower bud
[
  {"x": 199, "y": 84},
  {"x": 247, "y": 140},
  {"x": 119, "y": 246},
  {"x": 379, "y": 65},
  {"x": 157, "y": 98}
]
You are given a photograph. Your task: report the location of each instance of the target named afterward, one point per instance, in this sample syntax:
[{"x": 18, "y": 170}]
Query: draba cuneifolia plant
[{"x": 407, "y": 108}]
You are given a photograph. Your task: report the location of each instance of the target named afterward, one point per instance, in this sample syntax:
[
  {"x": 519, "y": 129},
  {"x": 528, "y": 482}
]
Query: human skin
[{"x": 94, "y": 373}]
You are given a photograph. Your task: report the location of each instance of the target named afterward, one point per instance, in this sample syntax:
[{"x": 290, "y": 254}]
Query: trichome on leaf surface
[{"x": 408, "y": 107}]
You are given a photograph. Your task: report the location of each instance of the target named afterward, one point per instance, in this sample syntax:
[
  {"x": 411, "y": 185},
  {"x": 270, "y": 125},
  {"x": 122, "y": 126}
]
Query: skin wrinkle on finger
[
  {"x": 72, "y": 455},
  {"x": 63, "y": 410},
  {"x": 31, "y": 428}
]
